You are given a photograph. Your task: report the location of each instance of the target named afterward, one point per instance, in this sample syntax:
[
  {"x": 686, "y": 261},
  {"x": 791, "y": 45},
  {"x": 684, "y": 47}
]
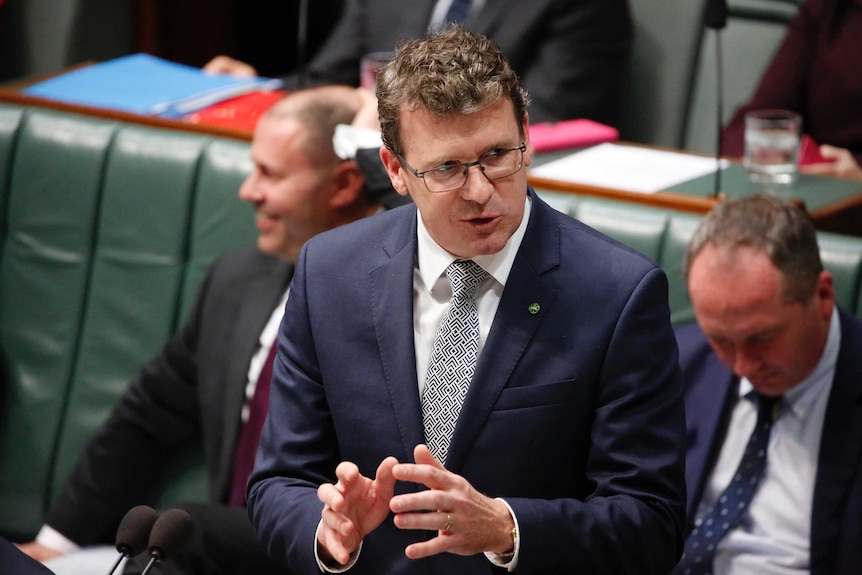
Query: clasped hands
[{"x": 467, "y": 521}]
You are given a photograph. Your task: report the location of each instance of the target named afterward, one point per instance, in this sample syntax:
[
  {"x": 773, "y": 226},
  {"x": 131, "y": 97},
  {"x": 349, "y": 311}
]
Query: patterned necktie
[
  {"x": 453, "y": 358},
  {"x": 458, "y": 11},
  {"x": 727, "y": 511},
  {"x": 249, "y": 435}
]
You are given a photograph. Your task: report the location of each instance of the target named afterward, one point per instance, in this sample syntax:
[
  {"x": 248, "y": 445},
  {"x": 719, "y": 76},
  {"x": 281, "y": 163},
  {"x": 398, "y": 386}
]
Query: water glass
[{"x": 772, "y": 146}]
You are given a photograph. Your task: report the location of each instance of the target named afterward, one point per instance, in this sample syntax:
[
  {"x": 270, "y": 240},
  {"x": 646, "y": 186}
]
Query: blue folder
[{"x": 145, "y": 84}]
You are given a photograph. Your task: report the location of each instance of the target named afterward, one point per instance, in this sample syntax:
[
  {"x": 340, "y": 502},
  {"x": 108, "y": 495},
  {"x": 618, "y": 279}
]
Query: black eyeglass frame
[{"x": 466, "y": 165}]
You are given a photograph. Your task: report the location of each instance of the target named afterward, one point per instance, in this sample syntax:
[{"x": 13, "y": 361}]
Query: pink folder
[{"x": 548, "y": 136}]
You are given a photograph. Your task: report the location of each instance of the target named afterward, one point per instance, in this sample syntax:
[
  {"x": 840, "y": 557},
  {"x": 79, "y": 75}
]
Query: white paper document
[{"x": 631, "y": 168}]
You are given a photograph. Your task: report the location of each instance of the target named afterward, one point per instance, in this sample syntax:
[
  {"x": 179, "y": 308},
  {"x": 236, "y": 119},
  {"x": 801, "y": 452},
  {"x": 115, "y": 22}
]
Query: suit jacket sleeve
[{"x": 631, "y": 521}]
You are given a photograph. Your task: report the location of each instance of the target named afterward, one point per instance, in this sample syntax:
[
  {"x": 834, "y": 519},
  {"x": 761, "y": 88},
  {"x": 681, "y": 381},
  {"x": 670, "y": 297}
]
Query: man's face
[
  {"x": 289, "y": 193},
  {"x": 738, "y": 300},
  {"x": 480, "y": 217}
]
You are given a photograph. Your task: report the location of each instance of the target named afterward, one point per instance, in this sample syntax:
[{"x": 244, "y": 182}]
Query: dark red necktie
[{"x": 249, "y": 436}]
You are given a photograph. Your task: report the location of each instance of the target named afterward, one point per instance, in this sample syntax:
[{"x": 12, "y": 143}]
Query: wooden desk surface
[{"x": 834, "y": 204}]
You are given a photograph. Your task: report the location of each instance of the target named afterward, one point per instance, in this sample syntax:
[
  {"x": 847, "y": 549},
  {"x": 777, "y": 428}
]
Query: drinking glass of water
[{"x": 772, "y": 146}]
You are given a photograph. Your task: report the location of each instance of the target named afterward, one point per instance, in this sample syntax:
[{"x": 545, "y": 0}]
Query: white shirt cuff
[
  {"x": 328, "y": 568},
  {"x": 348, "y": 139},
  {"x": 50, "y": 537},
  {"x": 507, "y": 562}
]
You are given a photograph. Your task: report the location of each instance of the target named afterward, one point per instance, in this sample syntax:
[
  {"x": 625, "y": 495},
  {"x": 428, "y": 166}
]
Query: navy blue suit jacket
[
  {"x": 710, "y": 393},
  {"x": 574, "y": 414}
]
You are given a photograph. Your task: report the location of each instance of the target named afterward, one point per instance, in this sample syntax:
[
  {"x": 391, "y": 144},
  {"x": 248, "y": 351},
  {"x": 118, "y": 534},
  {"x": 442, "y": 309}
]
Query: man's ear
[
  {"x": 393, "y": 168},
  {"x": 348, "y": 185},
  {"x": 528, "y": 153}
]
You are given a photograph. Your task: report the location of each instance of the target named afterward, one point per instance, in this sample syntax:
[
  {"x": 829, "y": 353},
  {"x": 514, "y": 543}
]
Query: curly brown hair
[{"x": 452, "y": 72}]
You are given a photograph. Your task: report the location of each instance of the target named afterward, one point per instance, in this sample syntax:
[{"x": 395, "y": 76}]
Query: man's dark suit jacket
[
  {"x": 710, "y": 393},
  {"x": 570, "y": 54},
  {"x": 192, "y": 391},
  {"x": 14, "y": 562},
  {"x": 574, "y": 414}
]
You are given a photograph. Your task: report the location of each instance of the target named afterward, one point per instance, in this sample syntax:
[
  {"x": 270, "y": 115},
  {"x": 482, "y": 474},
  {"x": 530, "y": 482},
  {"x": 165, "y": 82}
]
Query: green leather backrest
[
  {"x": 140, "y": 248},
  {"x": 660, "y": 71},
  {"x": 53, "y": 203},
  {"x": 754, "y": 31},
  {"x": 107, "y": 230},
  {"x": 220, "y": 220},
  {"x": 10, "y": 119}
]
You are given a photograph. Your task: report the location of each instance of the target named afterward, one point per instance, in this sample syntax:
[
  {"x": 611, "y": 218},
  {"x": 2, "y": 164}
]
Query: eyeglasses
[{"x": 494, "y": 165}]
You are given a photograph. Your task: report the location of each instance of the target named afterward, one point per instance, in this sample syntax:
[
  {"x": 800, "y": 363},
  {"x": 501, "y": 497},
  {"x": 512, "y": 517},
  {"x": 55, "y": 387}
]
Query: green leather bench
[{"x": 106, "y": 230}]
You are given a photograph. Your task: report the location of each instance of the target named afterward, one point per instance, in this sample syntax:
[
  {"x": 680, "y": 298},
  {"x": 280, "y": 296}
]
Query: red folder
[
  {"x": 241, "y": 112},
  {"x": 548, "y": 136}
]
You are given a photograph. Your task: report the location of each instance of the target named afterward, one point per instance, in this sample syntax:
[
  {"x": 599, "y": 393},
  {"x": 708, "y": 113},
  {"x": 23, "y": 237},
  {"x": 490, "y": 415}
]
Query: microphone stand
[
  {"x": 301, "y": 43},
  {"x": 716, "y": 19}
]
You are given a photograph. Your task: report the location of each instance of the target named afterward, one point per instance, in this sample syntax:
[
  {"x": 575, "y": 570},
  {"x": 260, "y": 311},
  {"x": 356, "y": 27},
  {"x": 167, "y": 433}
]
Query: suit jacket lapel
[
  {"x": 530, "y": 282},
  {"x": 261, "y": 296},
  {"x": 392, "y": 309},
  {"x": 839, "y": 458},
  {"x": 718, "y": 387}
]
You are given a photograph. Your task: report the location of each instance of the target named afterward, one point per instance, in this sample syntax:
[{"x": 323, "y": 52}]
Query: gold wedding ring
[{"x": 448, "y": 524}]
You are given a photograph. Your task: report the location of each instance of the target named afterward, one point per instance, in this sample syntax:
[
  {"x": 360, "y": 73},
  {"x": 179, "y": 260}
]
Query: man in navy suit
[
  {"x": 567, "y": 453},
  {"x": 767, "y": 322}
]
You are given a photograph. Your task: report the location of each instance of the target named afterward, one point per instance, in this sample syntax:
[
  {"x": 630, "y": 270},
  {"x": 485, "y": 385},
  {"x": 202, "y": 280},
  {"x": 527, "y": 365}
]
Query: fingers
[
  {"x": 228, "y": 65},
  {"x": 384, "y": 480}
]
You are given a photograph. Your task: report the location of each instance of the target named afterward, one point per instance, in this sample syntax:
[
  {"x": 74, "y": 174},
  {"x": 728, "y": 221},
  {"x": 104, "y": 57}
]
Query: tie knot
[
  {"x": 765, "y": 405},
  {"x": 465, "y": 276}
]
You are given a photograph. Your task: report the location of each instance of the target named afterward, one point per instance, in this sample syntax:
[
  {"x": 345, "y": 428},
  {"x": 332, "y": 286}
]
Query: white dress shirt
[{"x": 774, "y": 537}]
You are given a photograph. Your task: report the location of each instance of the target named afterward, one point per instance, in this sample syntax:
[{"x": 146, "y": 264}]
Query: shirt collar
[
  {"x": 434, "y": 259},
  {"x": 800, "y": 399}
]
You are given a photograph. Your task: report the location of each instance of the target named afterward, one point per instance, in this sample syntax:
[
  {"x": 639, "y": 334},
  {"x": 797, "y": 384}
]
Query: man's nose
[{"x": 478, "y": 187}]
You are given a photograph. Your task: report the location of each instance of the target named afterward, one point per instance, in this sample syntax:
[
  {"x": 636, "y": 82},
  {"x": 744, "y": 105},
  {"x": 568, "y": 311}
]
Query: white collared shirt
[
  {"x": 774, "y": 537},
  {"x": 432, "y": 289}
]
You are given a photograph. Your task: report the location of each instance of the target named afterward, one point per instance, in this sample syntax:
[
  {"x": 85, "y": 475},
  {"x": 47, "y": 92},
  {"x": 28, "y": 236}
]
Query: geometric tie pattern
[
  {"x": 458, "y": 11},
  {"x": 453, "y": 358},
  {"x": 250, "y": 431},
  {"x": 727, "y": 512}
]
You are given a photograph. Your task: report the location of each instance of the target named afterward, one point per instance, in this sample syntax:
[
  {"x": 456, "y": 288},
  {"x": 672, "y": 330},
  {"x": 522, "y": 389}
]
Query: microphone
[
  {"x": 134, "y": 532},
  {"x": 715, "y": 17},
  {"x": 170, "y": 532}
]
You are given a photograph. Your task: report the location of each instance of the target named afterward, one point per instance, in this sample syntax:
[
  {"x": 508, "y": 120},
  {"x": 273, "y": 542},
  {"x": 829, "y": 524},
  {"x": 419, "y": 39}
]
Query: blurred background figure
[
  {"x": 815, "y": 73},
  {"x": 569, "y": 54}
]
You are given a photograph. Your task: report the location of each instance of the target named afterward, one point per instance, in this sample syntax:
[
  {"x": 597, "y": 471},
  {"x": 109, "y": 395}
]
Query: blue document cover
[{"x": 148, "y": 85}]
